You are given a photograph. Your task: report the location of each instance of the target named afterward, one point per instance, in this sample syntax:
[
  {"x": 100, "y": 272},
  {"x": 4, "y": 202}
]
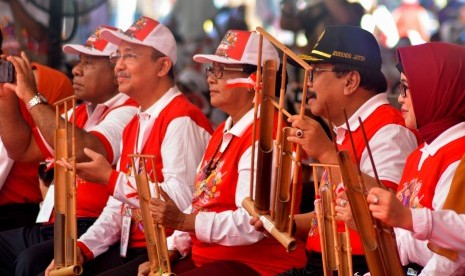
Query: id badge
[{"x": 125, "y": 229}]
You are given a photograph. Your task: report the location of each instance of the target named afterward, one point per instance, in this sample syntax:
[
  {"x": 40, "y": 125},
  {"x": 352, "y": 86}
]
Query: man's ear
[
  {"x": 165, "y": 66},
  {"x": 352, "y": 82}
]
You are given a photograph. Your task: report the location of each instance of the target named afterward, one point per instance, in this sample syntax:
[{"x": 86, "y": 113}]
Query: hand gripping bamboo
[
  {"x": 378, "y": 240},
  {"x": 65, "y": 231},
  {"x": 155, "y": 236},
  {"x": 336, "y": 250},
  {"x": 274, "y": 197}
]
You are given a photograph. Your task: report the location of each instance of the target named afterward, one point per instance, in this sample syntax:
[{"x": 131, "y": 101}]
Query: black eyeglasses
[
  {"x": 217, "y": 71},
  {"x": 312, "y": 72},
  {"x": 403, "y": 89}
]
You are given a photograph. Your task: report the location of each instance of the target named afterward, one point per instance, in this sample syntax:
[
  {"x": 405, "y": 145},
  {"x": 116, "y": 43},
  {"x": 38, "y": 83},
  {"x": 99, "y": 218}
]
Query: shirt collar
[
  {"x": 158, "y": 106},
  {"x": 446, "y": 137},
  {"x": 241, "y": 126},
  {"x": 116, "y": 100},
  {"x": 363, "y": 112},
  {"x": 230, "y": 131}
]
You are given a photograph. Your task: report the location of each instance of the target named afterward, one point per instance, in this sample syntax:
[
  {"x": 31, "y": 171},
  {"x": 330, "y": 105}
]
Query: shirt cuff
[
  {"x": 421, "y": 219},
  {"x": 179, "y": 241},
  {"x": 86, "y": 253},
  {"x": 204, "y": 226}
]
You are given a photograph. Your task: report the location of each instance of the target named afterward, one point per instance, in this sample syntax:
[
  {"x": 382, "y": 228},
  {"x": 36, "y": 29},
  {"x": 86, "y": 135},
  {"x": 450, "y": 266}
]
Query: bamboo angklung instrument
[
  {"x": 155, "y": 236},
  {"x": 336, "y": 249},
  {"x": 378, "y": 241},
  {"x": 386, "y": 235},
  {"x": 65, "y": 229},
  {"x": 274, "y": 201}
]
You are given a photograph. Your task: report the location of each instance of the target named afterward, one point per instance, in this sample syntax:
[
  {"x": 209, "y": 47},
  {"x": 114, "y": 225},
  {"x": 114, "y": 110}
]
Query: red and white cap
[
  {"x": 149, "y": 32},
  {"x": 240, "y": 47},
  {"x": 95, "y": 44}
]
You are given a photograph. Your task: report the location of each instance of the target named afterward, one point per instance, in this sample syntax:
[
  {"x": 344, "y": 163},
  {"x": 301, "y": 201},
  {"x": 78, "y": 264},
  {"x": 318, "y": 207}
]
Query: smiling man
[{"x": 167, "y": 126}]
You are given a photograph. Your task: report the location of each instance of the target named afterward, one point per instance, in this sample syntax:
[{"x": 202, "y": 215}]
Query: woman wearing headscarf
[{"x": 433, "y": 101}]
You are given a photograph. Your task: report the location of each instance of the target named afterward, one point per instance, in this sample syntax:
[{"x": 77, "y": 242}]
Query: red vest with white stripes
[{"x": 178, "y": 107}]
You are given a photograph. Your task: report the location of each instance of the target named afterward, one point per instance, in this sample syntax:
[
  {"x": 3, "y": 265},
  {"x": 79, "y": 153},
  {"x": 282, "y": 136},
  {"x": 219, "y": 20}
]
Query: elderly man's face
[{"x": 93, "y": 79}]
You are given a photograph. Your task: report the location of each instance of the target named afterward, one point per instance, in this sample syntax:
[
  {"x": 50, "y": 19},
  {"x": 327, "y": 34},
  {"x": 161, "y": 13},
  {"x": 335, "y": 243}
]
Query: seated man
[
  {"x": 100, "y": 121},
  {"x": 346, "y": 75},
  {"x": 167, "y": 126},
  {"x": 223, "y": 241}
]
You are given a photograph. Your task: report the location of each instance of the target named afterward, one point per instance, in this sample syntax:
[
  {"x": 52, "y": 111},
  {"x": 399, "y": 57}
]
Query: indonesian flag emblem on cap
[
  {"x": 241, "y": 47},
  {"x": 95, "y": 44},
  {"x": 148, "y": 32},
  {"x": 141, "y": 28},
  {"x": 233, "y": 45}
]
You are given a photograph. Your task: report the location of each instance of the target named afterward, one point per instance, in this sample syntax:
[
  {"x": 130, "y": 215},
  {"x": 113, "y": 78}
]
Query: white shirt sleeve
[
  {"x": 5, "y": 164},
  {"x": 444, "y": 228},
  {"x": 106, "y": 230},
  {"x": 180, "y": 240},
  {"x": 416, "y": 251},
  {"x": 230, "y": 227},
  {"x": 182, "y": 150},
  {"x": 412, "y": 249},
  {"x": 112, "y": 126},
  {"x": 443, "y": 186},
  {"x": 390, "y": 147}
]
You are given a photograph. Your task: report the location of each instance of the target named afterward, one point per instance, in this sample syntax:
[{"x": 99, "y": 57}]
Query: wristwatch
[{"x": 37, "y": 99}]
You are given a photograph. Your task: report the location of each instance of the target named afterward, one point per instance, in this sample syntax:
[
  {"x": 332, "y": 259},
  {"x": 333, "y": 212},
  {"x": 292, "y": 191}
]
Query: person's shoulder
[
  {"x": 184, "y": 106},
  {"x": 52, "y": 83}
]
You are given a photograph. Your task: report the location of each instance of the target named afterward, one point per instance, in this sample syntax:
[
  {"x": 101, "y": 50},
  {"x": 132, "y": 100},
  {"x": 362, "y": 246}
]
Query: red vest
[
  {"x": 92, "y": 197},
  {"x": 216, "y": 193},
  {"x": 416, "y": 188},
  {"x": 178, "y": 107},
  {"x": 382, "y": 116}
]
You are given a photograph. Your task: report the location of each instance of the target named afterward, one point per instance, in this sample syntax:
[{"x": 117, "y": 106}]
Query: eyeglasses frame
[{"x": 219, "y": 73}]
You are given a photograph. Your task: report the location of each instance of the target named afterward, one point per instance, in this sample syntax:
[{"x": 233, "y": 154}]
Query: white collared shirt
[{"x": 390, "y": 145}]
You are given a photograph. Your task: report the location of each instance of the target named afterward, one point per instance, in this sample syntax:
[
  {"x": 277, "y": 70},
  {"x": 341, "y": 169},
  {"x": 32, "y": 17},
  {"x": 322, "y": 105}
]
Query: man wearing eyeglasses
[
  {"x": 222, "y": 240},
  {"x": 100, "y": 120},
  {"x": 167, "y": 126},
  {"x": 347, "y": 77}
]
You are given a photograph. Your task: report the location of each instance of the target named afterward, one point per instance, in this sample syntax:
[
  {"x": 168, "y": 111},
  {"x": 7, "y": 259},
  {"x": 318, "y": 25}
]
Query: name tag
[{"x": 125, "y": 230}]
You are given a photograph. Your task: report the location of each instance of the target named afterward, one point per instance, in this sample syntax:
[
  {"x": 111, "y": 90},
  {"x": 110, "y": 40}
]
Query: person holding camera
[
  {"x": 19, "y": 188},
  {"x": 100, "y": 120}
]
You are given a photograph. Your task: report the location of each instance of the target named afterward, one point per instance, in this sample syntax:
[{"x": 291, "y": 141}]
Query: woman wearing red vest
[
  {"x": 223, "y": 241},
  {"x": 433, "y": 101}
]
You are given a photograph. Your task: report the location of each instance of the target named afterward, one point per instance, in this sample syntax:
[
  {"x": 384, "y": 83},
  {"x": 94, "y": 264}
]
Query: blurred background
[{"x": 199, "y": 26}]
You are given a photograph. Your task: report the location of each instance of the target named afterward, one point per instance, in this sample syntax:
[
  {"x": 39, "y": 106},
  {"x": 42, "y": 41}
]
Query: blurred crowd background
[{"x": 199, "y": 24}]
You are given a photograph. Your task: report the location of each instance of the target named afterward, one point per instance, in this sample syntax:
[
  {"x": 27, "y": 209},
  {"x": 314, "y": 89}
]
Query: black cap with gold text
[{"x": 348, "y": 45}]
